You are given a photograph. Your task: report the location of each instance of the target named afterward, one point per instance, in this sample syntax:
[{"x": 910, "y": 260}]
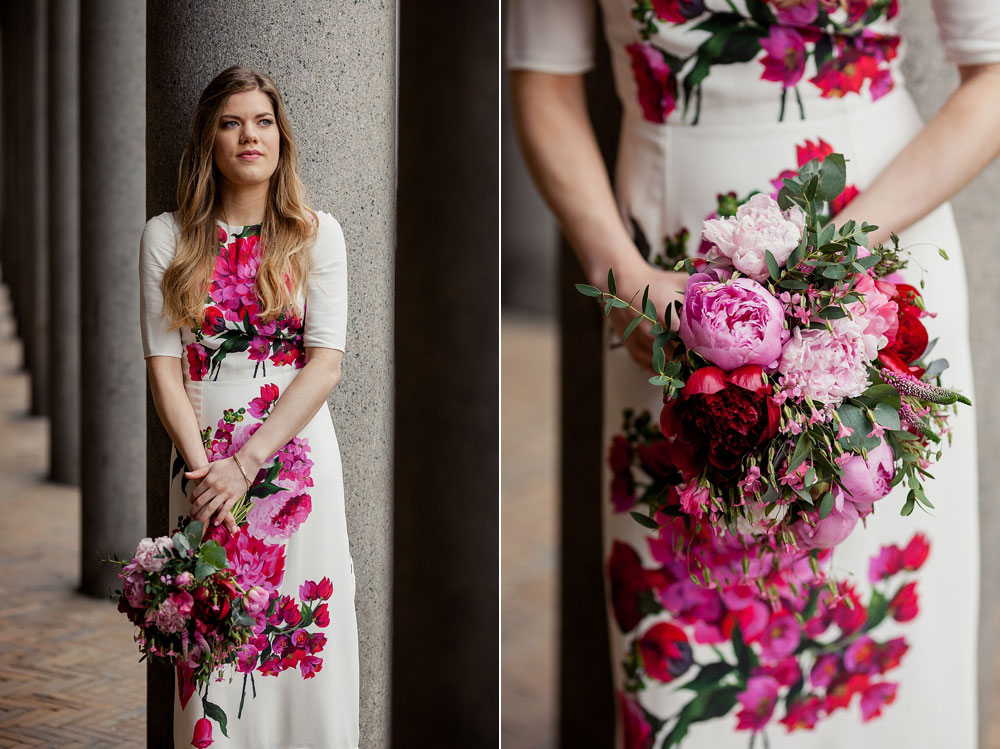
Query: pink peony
[
  {"x": 827, "y": 367},
  {"x": 759, "y": 225},
  {"x": 256, "y": 562},
  {"x": 829, "y": 531},
  {"x": 170, "y": 616},
  {"x": 279, "y": 515},
  {"x": 880, "y": 315},
  {"x": 758, "y": 702},
  {"x": 865, "y": 482},
  {"x": 731, "y": 322},
  {"x": 149, "y": 554}
]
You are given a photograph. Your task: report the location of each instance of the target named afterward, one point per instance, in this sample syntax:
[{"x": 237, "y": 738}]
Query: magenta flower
[
  {"x": 825, "y": 670},
  {"x": 256, "y": 600},
  {"x": 694, "y": 499},
  {"x": 888, "y": 562},
  {"x": 731, "y": 322},
  {"x": 246, "y": 658},
  {"x": 859, "y": 658},
  {"x": 904, "y": 606},
  {"x": 310, "y": 665},
  {"x": 865, "y": 482},
  {"x": 656, "y": 82},
  {"x": 235, "y": 274},
  {"x": 915, "y": 553},
  {"x": 294, "y": 463},
  {"x": 801, "y": 14},
  {"x": 197, "y": 357},
  {"x": 786, "y": 671},
  {"x": 890, "y": 654},
  {"x": 875, "y": 697},
  {"x": 279, "y": 515},
  {"x": 828, "y": 532},
  {"x": 785, "y": 61},
  {"x": 256, "y": 562},
  {"x": 758, "y": 702},
  {"x": 780, "y": 638}
]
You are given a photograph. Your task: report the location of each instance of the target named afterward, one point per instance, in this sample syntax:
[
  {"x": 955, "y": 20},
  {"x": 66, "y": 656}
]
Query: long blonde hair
[{"x": 289, "y": 224}]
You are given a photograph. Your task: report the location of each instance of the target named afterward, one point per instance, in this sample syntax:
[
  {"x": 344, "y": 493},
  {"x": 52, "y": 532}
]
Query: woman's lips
[{"x": 250, "y": 156}]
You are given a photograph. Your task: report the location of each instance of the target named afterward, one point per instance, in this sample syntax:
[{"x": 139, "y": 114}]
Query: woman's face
[{"x": 247, "y": 141}]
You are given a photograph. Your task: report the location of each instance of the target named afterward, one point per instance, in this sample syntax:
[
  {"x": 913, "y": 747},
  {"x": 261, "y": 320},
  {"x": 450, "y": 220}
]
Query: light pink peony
[
  {"x": 759, "y": 225},
  {"x": 829, "y": 531},
  {"x": 827, "y": 368},
  {"x": 866, "y": 482},
  {"x": 731, "y": 322},
  {"x": 149, "y": 554},
  {"x": 173, "y": 613}
]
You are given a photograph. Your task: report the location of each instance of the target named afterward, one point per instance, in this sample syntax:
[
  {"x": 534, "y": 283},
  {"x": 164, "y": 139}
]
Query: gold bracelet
[{"x": 240, "y": 466}]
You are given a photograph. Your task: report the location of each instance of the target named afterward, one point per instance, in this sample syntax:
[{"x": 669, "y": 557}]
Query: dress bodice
[
  {"x": 684, "y": 62},
  {"x": 233, "y": 342}
]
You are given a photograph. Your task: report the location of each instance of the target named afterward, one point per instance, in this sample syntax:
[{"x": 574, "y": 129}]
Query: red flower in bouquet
[{"x": 718, "y": 418}]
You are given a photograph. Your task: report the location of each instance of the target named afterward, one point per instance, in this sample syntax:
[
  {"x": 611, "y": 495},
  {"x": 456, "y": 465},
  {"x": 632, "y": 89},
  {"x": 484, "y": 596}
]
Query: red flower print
[
  {"x": 259, "y": 407},
  {"x": 758, "y": 702},
  {"x": 859, "y": 658},
  {"x": 628, "y": 584},
  {"x": 916, "y": 552},
  {"x": 678, "y": 11},
  {"x": 850, "y": 618},
  {"x": 321, "y": 616},
  {"x": 803, "y": 713},
  {"x": 636, "y": 731},
  {"x": 841, "y": 691},
  {"x": 214, "y": 321},
  {"x": 665, "y": 652},
  {"x": 786, "y": 671},
  {"x": 888, "y": 563},
  {"x": 310, "y": 665},
  {"x": 841, "y": 202},
  {"x": 657, "y": 83},
  {"x": 197, "y": 358},
  {"x": 904, "y": 605},
  {"x": 890, "y": 654},
  {"x": 622, "y": 482}
]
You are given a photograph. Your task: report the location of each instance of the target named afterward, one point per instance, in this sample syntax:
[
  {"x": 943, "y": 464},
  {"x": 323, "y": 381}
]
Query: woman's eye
[
  {"x": 265, "y": 120},
  {"x": 227, "y": 123}
]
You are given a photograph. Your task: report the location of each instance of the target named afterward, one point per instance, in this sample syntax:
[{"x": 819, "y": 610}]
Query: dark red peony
[{"x": 718, "y": 418}]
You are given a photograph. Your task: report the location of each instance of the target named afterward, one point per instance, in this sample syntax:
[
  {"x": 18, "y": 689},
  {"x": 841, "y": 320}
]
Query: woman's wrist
[
  {"x": 627, "y": 263},
  {"x": 249, "y": 460}
]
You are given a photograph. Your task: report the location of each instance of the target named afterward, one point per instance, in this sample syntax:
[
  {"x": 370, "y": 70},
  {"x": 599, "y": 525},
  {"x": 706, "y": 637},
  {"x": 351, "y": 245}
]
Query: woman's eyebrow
[{"x": 237, "y": 117}]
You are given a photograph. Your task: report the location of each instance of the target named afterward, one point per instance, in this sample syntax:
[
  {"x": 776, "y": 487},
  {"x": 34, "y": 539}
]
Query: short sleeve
[
  {"x": 326, "y": 289},
  {"x": 156, "y": 252},
  {"x": 551, "y": 36},
  {"x": 969, "y": 29}
]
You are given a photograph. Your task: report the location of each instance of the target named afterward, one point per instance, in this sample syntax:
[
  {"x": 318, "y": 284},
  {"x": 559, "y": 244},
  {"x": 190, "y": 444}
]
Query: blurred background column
[
  {"x": 445, "y": 615},
  {"x": 13, "y": 48},
  {"x": 334, "y": 63},
  {"x": 63, "y": 216},
  {"x": 34, "y": 247},
  {"x": 112, "y": 185}
]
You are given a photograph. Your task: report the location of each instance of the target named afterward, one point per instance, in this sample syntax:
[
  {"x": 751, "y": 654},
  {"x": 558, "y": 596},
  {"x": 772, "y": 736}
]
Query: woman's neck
[{"x": 243, "y": 205}]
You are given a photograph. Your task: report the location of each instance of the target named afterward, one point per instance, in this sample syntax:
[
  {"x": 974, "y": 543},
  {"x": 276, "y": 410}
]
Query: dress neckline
[{"x": 235, "y": 226}]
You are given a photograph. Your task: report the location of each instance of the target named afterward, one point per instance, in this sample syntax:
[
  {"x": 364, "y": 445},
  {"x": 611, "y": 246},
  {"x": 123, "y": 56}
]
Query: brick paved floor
[
  {"x": 530, "y": 526},
  {"x": 69, "y": 671}
]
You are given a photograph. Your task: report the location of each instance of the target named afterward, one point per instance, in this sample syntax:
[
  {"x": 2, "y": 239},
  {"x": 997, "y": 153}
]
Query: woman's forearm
[
  {"x": 295, "y": 407},
  {"x": 561, "y": 151},
  {"x": 166, "y": 382},
  {"x": 954, "y": 146}
]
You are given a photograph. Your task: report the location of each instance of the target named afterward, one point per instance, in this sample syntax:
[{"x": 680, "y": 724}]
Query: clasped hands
[{"x": 218, "y": 486}]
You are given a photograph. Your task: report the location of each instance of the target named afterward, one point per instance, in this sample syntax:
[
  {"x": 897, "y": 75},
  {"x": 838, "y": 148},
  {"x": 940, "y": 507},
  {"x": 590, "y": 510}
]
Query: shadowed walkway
[{"x": 69, "y": 671}]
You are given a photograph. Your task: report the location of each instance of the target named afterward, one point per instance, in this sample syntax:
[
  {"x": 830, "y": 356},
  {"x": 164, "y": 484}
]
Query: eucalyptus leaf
[{"x": 588, "y": 290}]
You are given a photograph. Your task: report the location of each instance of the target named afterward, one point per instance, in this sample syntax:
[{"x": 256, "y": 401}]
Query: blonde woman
[
  {"x": 723, "y": 96},
  {"x": 244, "y": 313}
]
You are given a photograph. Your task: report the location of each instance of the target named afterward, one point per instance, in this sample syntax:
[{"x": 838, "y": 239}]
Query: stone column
[
  {"x": 113, "y": 204},
  {"x": 34, "y": 247},
  {"x": 586, "y": 693},
  {"x": 13, "y": 53},
  {"x": 63, "y": 216},
  {"x": 445, "y": 615},
  {"x": 335, "y": 65}
]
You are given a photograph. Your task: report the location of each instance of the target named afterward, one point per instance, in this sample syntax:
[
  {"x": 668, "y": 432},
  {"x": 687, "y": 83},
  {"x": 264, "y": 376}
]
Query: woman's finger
[
  {"x": 223, "y": 510},
  {"x": 198, "y": 473}
]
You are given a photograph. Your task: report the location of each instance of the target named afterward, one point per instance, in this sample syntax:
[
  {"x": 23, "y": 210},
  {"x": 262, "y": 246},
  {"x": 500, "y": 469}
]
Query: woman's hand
[
  {"x": 665, "y": 287},
  {"x": 220, "y": 485}
]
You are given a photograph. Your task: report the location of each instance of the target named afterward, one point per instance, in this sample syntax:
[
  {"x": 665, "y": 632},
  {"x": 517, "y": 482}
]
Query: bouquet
[
  {"x": 800, "y": 389},
  {"x": 201, "y": 604}
]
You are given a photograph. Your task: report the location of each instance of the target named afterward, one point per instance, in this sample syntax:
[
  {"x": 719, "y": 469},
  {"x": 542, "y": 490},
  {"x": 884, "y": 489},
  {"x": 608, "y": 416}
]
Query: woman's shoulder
[
  {"x": 164, "y": 224},
  {"x": 329, "y": 231}
]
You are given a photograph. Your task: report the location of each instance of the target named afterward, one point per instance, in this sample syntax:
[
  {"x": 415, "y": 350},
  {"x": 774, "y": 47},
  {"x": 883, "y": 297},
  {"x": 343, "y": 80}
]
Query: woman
[
  {"x": 728, "y": 96},
  {"x": 244, "y": 314}
]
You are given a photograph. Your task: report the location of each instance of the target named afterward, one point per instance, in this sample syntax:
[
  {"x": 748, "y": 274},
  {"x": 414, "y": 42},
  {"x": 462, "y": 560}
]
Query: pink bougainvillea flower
[
  {"x": 840, "y": 693},
  {"x": 656, "y": 82},
  {"x": 758, "y": 701},
  {"x": 915, "y": 553},
  {"x": 261, "y": 405},
  {"x": 859, "y": 658},
  {"x": 888, "y": 563},
  {"x": 310, "y": 665},
  {"x": 825, "y": 670},
  {"x": 798, "y": 14},
  {"x": 235, "y": 273},
  {"x": 890, "y": 654},
  {"x": 665, "y": 652},
  {"x": 803, "y": 713},
  {"x": 875, "y": 697},
  {"x": 781, "y": 637},
  {"x": 324, "y": 589},
  {"x": 786, "y": 671},
  {"x": 321, "y": 616},
  {"x": 904, "y": 605},
  {"x": 785, "y": 61}
]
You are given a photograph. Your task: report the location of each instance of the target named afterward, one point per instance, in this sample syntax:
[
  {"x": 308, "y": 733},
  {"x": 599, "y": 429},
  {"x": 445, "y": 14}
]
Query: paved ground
[
  {"x": 69, "y": 671},
  {"x": 530, "y": 525}
]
